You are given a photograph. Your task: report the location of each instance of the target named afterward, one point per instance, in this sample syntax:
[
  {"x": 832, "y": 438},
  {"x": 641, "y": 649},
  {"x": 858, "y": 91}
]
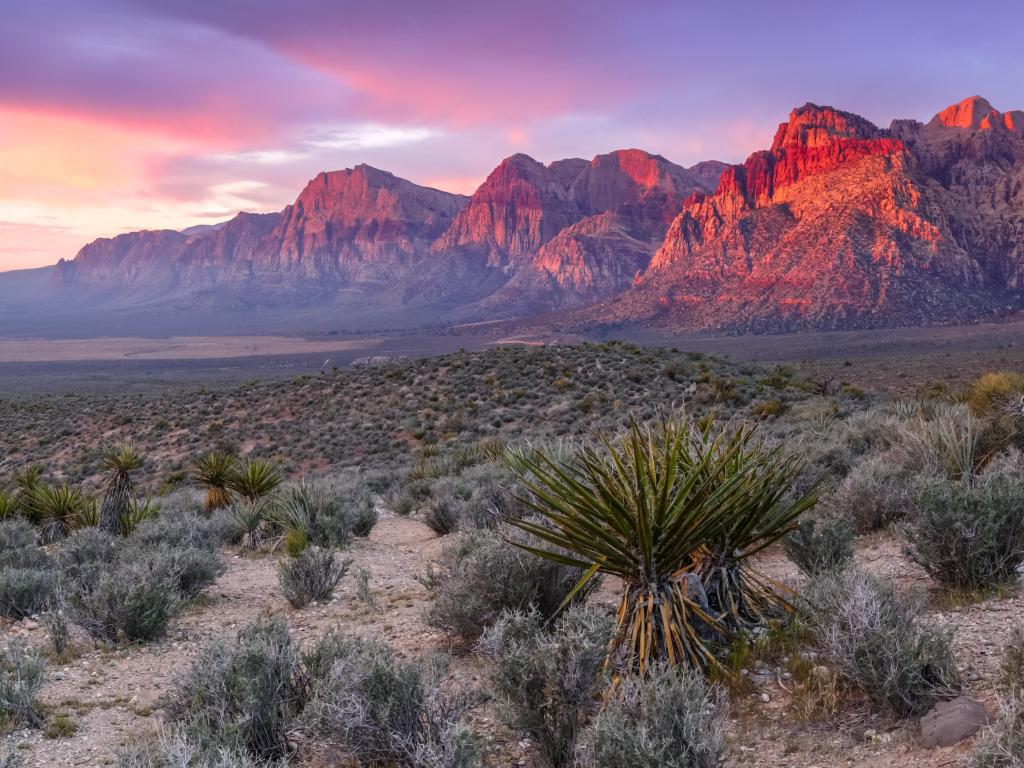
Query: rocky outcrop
[{"x": 842, "y": 224}]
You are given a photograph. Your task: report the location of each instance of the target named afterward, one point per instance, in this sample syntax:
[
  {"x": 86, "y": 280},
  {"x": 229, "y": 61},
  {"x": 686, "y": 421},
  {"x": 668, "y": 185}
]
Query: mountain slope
[{"x": 844, "y": 225}]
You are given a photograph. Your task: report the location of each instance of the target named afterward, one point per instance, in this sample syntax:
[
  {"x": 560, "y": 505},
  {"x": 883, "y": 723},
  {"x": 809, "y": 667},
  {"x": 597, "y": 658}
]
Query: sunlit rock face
[{"x": 842, "y": 224}]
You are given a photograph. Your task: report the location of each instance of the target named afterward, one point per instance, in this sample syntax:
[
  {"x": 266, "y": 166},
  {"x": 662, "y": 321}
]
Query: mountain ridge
[{"x": 839, "y": 223}]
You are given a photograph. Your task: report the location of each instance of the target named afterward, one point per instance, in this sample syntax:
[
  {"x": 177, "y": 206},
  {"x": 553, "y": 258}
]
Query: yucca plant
[
  {"x": 27, "y": 483},
  {"x": 8, "y": 507},
  {"x": 60, "y": 507},
  {"x": 213, "y": 472},
  {"x": 136, "y": 513},
  {"x": 742, "y": 598},
  {"x": 89, "y": 514},
  {"x": 653, "y": 507},
  {"x": 255, "y": 479},
  {"x": 119, "y": 461}
]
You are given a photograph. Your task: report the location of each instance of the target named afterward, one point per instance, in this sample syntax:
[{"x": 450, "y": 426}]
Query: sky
[{"x": 145, "y": 114}]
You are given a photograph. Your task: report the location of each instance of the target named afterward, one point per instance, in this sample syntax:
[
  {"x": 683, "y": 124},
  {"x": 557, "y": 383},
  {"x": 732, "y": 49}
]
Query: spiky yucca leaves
[
  {"x": 137, "y": 513},
  {"x": 61, "y": 508},
  {"x": 8, "y": 508},
  {"x": 648, "y": 506},
  {"x": 255, "y": 479},
  {"x": 119, "y": 461},
  {"x": 27, "y": 483},
  {"x": 739, "y": 596},
  {"x": 213, "y": 472}
]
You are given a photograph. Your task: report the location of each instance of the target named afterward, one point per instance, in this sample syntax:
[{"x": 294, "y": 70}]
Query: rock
[{"x": 950, "y": 722}]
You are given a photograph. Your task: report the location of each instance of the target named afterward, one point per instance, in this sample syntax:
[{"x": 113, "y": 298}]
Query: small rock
[
  {"x": 765, "y": 698},
  {"x": 950, "y": 722}
]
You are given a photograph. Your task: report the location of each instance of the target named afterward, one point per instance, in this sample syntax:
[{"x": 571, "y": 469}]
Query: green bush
[
  {"x": 244, "y": 696},
  {"x": 17, "y": 533},
  {"x": 873, "y": 495},
  {"x": 21, "y": 677},
  {"x": 547, "y": 681},
  {"x": 377, "y": 709},
  {"x": 328, "y": 515},
  {"x": 129, "y": 602},
  {"x": 879, "y": 639},
  {"x": 820, "y": 544},
  {"x": 25, "y": 591},
  {"x": 311, "y": 576},
  {"x": 968, "y": 535},
  {"x": 480, "y": 575},
  {"x": 669, "y": 719}
]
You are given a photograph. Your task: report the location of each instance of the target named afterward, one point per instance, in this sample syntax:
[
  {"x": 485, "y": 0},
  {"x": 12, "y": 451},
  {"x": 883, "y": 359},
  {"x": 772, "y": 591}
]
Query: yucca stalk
[
  {"x": 255, "y": 479},
  {"x": 119, "y": 461},
  {"x": 213, "y": 471},
  {"x": 60, "y": 508},
  {"x": 648, "y": 506}
]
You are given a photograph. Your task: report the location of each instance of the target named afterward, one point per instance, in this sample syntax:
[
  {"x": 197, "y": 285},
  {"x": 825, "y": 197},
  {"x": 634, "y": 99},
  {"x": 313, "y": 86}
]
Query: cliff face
[{"x": 842, "y": 224}]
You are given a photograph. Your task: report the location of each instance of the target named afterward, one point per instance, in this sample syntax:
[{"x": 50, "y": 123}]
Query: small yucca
[
  {"x": 213, "y": 471},
  {"x": 60, "y": 508},
  {"x": 255, "y": 479},
  {"x": 120, "y": 461}
]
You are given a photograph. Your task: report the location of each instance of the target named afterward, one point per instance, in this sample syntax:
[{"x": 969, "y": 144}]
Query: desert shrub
[
  {"x": 820, "y": 544},
  {"x": 547, "y": 681},
  {"x": 21, "y": 677},
  {"x": 669, "y": 719},
  {"x": 1001, "y": 744},
  {"x": 380, "y": 710},
  {"x": 311, "y": 576},
  {"x": 177, "y": 530},
  {"x": 128, "y": 602},
  {"x": 946, "y": 443},
  {"x": 85, "y": 556},
  {"x": 16, "y": 534},
  {"x": 1011, "y": 670},
  {"x": 174, "y": 748},
  {"x": 968, "y": 535},
  {"x": 878, "y": 639},
  {"x": 194, "y": 568},
  {"x": 480, "y": 575},
  {"x": 995, "y": 392},
  {"x": 249, "y": 522},
  {"x": 242, "y": 696},
  {"x": 873, "y": 495},
  {"x": 25, "y": 591},
  {"x": 444, "y": 514},
  {"x": 329, "y": 516}
]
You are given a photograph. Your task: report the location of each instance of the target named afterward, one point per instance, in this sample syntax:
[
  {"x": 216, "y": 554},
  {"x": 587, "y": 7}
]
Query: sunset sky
[{"x": 150, "y": 113}]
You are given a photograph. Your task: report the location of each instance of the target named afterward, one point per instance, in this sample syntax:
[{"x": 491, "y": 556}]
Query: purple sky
[{"x": 144, "y": 114}]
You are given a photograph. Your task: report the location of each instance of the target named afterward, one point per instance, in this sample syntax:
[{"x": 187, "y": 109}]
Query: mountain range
[{"x": 839, "y": 224}]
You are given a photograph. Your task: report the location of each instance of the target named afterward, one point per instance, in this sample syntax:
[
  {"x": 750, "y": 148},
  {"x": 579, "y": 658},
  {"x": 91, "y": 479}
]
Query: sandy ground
[
  {"x": 173, "y": 348},
  {"x": 115, "y": 694}
]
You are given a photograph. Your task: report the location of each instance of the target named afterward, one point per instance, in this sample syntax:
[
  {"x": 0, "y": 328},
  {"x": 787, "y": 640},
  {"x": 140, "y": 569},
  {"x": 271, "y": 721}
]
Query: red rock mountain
[
  {"x": 360, "y": 227},
  {"x": 842, "y": 224},
  {"x": 839, "y": 224}
]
